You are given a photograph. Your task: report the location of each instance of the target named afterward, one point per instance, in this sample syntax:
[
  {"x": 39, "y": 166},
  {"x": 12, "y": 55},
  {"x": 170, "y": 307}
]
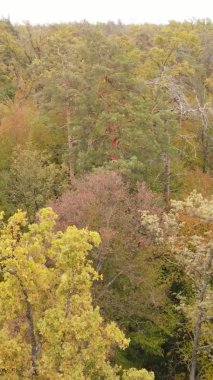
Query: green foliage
[
  {"x": 187, "y": 229},
  {"x": 48, "y": 326},
  {"x": 133, "y": 99},
  {"x": 133, "y": 374},
  {"x": 31, "y": 181},
  {"x": 13, "y": 60}
]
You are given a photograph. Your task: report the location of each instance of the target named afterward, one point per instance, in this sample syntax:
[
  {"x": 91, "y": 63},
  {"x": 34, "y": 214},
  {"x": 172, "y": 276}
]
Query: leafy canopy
[{"x": 49, "y": 328}]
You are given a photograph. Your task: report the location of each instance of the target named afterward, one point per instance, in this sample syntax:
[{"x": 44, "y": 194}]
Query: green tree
[
  {"x": 164, "y": 67},
  {"x": 187, "y": 230},
  {"x": 193, "y": 249},
  {"x": 48, "y": 326},
  {"x": 92, "y": 81},
  {"x": 14, "y": 61},
  {"x": 31, "y": 181}
]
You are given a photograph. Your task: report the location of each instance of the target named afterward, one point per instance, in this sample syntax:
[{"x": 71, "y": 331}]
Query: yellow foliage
[{"x": 48, "y": 325}]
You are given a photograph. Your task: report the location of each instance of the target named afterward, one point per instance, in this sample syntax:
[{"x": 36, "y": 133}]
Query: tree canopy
[{"x": 111, "y": 126}]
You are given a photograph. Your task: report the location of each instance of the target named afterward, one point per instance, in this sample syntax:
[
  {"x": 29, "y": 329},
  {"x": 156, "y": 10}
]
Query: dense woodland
[{"x": 109, "y": 127}]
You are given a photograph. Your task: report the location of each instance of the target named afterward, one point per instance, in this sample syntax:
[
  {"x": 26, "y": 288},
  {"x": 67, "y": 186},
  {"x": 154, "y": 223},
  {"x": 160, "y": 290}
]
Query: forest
[{"x": 106, "y": 201}]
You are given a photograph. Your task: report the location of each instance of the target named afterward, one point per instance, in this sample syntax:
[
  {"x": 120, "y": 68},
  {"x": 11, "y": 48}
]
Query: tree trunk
[
  {"x": 29, "y": 316},
  {"x": 204, "y": 141},
  {"x": 31, "y": 329},
  {"x": 166, "y": 177},
  {"x": 204, "y": 129},
  {"x": 68, "y": 302},
  {"x": 70, "y": 148},
  {"x": 200, "y": 317},
  {"x": 197, "y": 332}
]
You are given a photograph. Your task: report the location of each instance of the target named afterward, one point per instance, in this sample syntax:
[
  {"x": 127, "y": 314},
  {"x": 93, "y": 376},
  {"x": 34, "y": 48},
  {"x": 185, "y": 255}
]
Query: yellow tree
[{"x": 49, "y": 328}]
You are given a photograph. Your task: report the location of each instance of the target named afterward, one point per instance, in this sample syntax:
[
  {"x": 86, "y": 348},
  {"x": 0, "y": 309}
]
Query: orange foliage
[
  {"x": 16, "y": 122},
  {"x": 197, "y": 180},
  {"x": 194, "y": 225}
]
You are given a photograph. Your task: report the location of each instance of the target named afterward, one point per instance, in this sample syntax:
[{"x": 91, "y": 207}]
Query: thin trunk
[
  {"x": 204, "y": 141},
  {"x": 166, "y": 177},
  {"x": 204, "y": 128},
  {"x": 70, "y": 147},
  {"x": 108, "y": 285},
  {"x": 197, "y": 332},
  {"x": 197, "y": 329},
  {"x": 67, "y": 314},
  {"x": 68, "y": 303},
  {"x": 31, "y": 329},
  {"x": 35, "y": 349}
]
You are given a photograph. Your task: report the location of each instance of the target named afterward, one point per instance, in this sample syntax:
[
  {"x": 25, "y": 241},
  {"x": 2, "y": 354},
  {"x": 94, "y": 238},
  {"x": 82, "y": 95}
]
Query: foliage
[
  {"x": 31, "y": 180},
  {"x": 133, "y": 287},
  {"x": 49, "y": 328},
  {"x": 88, "y": 115},
  {"x": 187, "y": 228}
]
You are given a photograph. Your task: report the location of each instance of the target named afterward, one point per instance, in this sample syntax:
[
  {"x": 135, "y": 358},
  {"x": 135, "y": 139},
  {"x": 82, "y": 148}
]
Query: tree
[
  {"x": 164, "y": 67},
  {"x": 135, "y": 100},
  {"x": 12, "y": 60},
  {"x": 193, "y": 249},
  {"x": 48, "y": 326},
  {"x": 188, "y": 230},
  {"x": 89, "y": 93},
  {"x": 134, "y": 288},
  {"x": 31, "y": 180}
]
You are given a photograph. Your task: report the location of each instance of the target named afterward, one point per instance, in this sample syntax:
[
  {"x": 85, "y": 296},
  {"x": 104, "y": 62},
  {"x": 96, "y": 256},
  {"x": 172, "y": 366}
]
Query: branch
[{"x": 109, "y": 284}]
